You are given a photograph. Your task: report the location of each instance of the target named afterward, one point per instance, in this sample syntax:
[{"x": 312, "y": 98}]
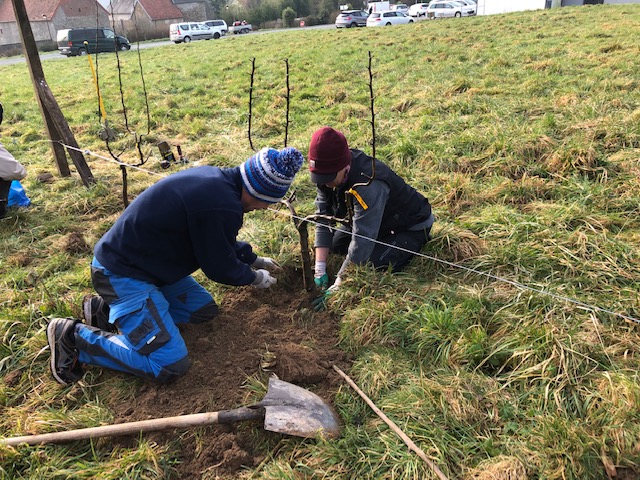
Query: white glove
[
  {"x": 268, "y": 263},
  {"x": 263, "y": 279},
  {"x": 336, "y": 285}
]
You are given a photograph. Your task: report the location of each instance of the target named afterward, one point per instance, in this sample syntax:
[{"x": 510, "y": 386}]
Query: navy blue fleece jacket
[{"x": 186, "y": 221}]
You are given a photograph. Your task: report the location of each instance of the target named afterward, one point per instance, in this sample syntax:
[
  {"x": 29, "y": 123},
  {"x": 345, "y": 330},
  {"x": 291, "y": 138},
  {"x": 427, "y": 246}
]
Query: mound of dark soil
[{"x": 227, "y": 351}]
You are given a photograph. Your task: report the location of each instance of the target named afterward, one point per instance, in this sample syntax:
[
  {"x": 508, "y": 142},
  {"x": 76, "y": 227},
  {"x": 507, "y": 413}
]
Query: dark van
[{"x": 71, "y": 41}]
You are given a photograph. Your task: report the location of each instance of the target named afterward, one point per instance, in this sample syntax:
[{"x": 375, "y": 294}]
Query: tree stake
[{"x": 393, "y": 426}]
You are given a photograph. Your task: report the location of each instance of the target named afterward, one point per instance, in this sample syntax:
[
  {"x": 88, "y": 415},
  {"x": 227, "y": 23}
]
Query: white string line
[
  {"x": 420, "y": 254},
  {"x": 477, "y": 272},
  {"x": 86, "y": 151}
]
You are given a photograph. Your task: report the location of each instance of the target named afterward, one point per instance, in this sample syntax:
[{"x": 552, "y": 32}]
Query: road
[{"x": 161, "y": 43}]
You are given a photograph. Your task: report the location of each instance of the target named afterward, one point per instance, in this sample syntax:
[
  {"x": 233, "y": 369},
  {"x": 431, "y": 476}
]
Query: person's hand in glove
[
  {"x": 263, "y": 279},
  {"x": 320, "y": 277},
  {"x": 268, "y": 263},
  {"x": 320, "y": 303}
]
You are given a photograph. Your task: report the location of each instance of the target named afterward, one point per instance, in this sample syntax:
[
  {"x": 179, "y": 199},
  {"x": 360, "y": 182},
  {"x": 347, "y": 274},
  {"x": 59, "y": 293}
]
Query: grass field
[{"x": 523, "y": 130}]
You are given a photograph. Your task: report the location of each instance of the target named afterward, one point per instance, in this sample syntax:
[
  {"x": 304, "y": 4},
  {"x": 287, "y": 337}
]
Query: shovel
[{"x": 286, "y": 408}]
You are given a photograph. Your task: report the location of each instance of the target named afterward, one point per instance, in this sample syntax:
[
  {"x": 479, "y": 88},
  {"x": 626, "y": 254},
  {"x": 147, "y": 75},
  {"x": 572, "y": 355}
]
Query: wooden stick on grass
[{"x": 394, "y": 427}]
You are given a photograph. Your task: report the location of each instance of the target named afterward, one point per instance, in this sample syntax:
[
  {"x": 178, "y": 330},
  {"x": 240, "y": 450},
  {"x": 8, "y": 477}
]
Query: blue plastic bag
[{"x": 17, "y": 195}]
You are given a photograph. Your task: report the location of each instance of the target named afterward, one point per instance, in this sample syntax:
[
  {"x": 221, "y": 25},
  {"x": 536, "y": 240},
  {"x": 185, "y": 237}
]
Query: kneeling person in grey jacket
[{"x": 391, "y": 220}]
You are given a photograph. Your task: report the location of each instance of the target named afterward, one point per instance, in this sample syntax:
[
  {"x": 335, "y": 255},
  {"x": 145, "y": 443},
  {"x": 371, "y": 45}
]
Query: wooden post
[
  {"x": 301, "y": 226},
  {"x": 55, "y": 124}
]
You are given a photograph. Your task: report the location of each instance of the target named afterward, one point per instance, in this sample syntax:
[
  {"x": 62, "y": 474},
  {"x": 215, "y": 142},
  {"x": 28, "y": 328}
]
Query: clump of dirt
[
  {"x": 45, "y": 177},
  {"x": 75, "y": 243},
  {"x": 227, "y": 351}
]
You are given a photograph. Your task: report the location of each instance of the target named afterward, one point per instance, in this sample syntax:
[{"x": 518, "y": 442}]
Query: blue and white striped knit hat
[{"x": 268, "y": 174}]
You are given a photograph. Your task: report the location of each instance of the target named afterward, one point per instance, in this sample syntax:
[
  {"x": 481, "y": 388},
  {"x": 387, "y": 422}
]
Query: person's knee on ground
[
  {"x": 108, "y": 350},
  {"x": 396, "y": 250},
  {"x": 170, "y": 373},
  {"x": 205, "y": 314}
]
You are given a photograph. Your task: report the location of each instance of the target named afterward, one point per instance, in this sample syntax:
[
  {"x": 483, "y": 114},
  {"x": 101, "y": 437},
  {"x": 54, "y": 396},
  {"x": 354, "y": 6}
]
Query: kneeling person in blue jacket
[{"x": 142, "y": 268}]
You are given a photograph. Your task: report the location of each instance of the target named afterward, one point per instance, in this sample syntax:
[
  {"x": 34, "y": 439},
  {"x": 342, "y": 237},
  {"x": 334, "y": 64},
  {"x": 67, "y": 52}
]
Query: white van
[{"x": 377, "y": 7}]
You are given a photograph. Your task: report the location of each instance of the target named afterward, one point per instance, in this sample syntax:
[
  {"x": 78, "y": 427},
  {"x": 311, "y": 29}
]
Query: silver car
[
  {"x": 189, "y": 31},
  {"x": 351, "y": 18},
  {"x": 446, "y": 9}
]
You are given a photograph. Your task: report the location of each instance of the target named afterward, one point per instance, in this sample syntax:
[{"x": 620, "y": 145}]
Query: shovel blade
[{"x": 295, "y": 411}]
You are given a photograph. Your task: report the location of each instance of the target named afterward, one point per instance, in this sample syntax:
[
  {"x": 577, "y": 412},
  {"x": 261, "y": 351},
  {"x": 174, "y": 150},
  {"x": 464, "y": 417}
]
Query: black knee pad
[
  {"x": 205, "y": 314},
  {"x": 172, "y": 372}
]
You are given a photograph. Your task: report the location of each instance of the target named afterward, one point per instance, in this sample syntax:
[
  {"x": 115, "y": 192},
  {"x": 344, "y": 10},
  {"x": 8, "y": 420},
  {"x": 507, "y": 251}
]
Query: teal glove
[
  {"x": 320, "y": 303},
  {"x": 322, "y": 282}
]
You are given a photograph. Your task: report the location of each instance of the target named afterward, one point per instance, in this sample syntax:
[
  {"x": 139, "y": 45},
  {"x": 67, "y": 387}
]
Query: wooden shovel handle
[{"x": 181, "y": 421}]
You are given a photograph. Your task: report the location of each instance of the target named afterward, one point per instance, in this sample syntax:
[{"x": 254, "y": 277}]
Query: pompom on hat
[
  {"x": 268, "y": 174},
  {"x": 328, "y": 154}
]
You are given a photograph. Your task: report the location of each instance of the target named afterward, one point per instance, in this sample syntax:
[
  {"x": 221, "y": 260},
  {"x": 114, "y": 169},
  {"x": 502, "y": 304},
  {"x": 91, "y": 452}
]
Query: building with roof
[
  {"x": 134, "y": 19},
  {"x": 46, "y": 18},
  {"x": 146, "y": 19}
]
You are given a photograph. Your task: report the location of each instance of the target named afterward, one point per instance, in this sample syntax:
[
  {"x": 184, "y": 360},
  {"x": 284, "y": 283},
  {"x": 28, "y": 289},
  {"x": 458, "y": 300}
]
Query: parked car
[
  {"x": 351, "y": 18},
  {"x": 189, "y": 31},
  {"x": 390, "y": 17},
  {"x": 221, "y": 24},
  {"x": 418, "y": 10},
  {"x": 443, "y": 9},
  {"x": 399, "y": 7},
  {"x": 468, "y": 3},
  {"x": 71, "y": 41},
  {"x": 240, "y": 27}
]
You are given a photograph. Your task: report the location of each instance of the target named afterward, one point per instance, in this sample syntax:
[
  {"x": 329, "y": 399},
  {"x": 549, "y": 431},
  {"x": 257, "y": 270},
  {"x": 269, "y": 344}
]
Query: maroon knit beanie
[{"x": 328, "y": 154}]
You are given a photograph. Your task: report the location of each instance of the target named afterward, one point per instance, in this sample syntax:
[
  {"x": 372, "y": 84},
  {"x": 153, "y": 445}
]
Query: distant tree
[
  {"x": 257, "y": 12},
  {"x": 301, "y": 7},
  {"x": 288, "y": 16},
  {"x": 219, "y": 7},
  {"x": 284, "y": 4},
  {"x": 325, "y": 8}
]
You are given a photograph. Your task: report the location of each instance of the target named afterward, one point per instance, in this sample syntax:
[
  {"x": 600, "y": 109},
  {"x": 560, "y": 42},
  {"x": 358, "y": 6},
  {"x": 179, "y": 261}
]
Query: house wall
[
  {"x": 490, "y": 7},
  {"x": 193, "y": 11},
  {"x": 44, "y": 33},
  {"x": 140, "y": 27},
  {"x": 10, "y": 43},
  {"x": 9, "y": 33},
  {"x": 82, "y": 15}
]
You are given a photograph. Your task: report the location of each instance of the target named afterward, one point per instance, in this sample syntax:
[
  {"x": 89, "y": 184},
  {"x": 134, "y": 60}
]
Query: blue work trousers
[{"x": 148, "y": 343}]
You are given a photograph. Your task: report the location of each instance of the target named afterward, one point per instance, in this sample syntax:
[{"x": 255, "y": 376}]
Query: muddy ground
[{"x": 224, "y": 354}]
